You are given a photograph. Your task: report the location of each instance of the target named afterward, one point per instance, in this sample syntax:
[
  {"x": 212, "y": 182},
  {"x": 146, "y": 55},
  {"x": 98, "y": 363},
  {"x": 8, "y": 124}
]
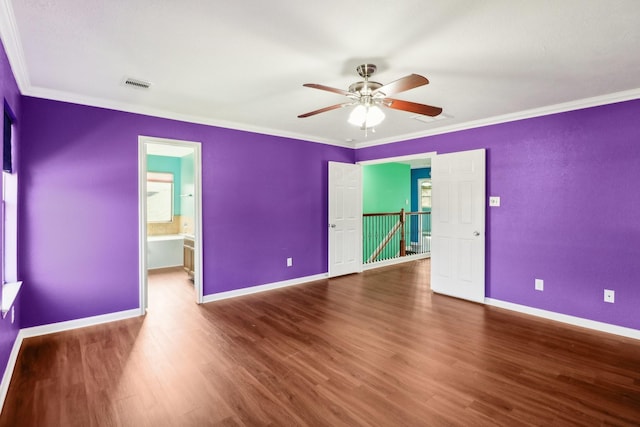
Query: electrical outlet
[
  {"x": 289, "y": 262},
  {"x": 539, "y": 285},
  {"x": 494, "y": 201},
  {"x": 609, "y": 296},
  {"x": 13, "y": 314}
]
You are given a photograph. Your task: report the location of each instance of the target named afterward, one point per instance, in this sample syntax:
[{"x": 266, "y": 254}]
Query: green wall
[
  {"x": 171, "y": 165},
  {"x": 385, "y": 188}
]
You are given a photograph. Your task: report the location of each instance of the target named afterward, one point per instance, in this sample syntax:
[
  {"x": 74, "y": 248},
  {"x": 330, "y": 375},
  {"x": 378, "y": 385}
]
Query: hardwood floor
[{"x": 374, "y": 349}]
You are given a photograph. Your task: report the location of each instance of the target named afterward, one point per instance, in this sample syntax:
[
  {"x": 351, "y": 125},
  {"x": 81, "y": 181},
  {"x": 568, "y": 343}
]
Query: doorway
[
  {"x": 169, "y": 210},
  {"x": 457, "y": 240},
  {"x": 395, "y": 224}
]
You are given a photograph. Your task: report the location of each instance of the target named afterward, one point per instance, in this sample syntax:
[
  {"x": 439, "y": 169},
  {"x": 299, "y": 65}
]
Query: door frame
[
  {"x": 142, "y": 214},
  {"x": 398, "y": 158},
  {"x": 417, "y": 156}
]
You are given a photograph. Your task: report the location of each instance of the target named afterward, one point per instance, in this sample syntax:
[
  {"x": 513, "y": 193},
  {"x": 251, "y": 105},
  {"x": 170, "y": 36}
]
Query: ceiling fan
[{"x": 368, "y": 96}]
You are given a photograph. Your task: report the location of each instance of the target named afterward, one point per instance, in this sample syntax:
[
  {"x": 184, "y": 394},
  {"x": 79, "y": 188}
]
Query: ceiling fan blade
[
  {"x": 328, "y": 89},
  {"x": 405, "y": 83},
  {"x": 425, "y": 110},
  {"x": 322, "y": 110}
]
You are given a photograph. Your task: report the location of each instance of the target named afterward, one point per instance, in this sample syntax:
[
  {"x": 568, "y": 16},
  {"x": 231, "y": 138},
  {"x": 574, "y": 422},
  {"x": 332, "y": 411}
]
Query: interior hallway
[{"x": 376, "y": 348}]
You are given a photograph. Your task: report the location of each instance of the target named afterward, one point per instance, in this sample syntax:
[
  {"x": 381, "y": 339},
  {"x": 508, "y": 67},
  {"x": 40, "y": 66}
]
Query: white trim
[
  {"x": 142, "y": 213},
  {"x": 73, "y": 98},
  {"x": 8, "y": 371},
  {"x": 50, "y": 329},
  {"x": 417, "y": 156},
  {"x": 10, "y": 37},
  {"x": 13, "y": 46},
  {"x": 78, "y": 323},
  {"x": 9, "y": 294},
  {"x": 504, "y": 118},
  {"x": 263, "y": 288},
  {"x": 565, "y": 318},
  {"x": 197, "y": 224},
  {"x": 579, "y": 104},
  {"x": 142, "y": 226},
  {"x": 394, "y": 261}
]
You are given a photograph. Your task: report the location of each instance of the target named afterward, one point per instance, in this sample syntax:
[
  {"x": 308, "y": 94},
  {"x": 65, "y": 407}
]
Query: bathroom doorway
[{"x": 170, "y": 211}]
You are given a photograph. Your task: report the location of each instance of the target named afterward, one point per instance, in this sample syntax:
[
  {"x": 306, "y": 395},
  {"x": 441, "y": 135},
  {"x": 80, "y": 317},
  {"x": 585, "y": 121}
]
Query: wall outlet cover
[
  {"x": 494, "y": 201},
  {"x": 609, "y": 296},
  {"x": 289, "y": 262},
  {"x": 539, "y": 285}
]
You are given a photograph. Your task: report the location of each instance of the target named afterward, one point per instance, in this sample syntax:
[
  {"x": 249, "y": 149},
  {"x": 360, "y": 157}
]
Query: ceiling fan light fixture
[
  {"x": 369, "y": 96},
  {"x": 366, "y": 116}
]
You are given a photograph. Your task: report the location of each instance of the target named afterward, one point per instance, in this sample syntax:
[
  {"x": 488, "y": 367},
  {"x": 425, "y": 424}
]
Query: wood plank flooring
[{"x": 374, "y": 349}]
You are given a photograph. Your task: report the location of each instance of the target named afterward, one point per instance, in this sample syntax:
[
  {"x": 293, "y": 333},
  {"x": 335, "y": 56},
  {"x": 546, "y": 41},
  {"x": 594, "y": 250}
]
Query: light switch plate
[{"x": 494, "y": 201}]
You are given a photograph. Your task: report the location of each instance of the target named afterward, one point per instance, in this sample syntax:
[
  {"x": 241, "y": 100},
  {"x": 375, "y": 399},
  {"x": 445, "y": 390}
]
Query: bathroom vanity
[{"x": 188, "y": 255}]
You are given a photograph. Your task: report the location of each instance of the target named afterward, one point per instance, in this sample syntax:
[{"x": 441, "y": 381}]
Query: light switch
[{"x": 494, "y": 201}]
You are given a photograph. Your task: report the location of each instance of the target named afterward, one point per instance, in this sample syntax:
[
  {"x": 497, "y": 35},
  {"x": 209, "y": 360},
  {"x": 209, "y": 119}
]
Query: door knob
[
  {"x": 332, "y": 225},
  {"x": 476, "y": 233}
]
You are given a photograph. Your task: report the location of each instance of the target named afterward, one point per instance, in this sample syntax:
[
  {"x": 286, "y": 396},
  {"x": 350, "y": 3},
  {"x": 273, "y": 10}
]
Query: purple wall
[
  {"x": 569, "y": 211},
  {"x": 570, "y": 208},
  {"x": 11, "y": 97},
  {"x": 264, "y": 199}
]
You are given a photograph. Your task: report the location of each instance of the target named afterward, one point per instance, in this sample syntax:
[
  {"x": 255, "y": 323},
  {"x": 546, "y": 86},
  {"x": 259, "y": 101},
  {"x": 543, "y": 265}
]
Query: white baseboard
[
  {"x": 263, "y": 288},
  {"x": 8, "y": 371},
  {"x": 564, "y": 318},
  {"x": 49, "y": 329},
  {"x": 78, "y": 323}
]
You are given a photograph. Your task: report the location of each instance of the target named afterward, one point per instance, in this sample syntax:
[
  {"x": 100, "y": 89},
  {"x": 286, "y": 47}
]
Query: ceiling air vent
[
  {"x": 429, "y": 119},
  {"x": 139, "y": 84}
]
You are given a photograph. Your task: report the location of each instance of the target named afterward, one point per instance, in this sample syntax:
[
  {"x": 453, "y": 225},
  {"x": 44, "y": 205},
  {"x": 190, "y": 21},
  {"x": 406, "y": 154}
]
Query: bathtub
[{"x": 165, "y": 251}]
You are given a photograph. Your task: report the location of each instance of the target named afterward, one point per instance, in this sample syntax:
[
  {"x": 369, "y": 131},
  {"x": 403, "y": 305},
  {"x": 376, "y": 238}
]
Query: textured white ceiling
[{"x": 242, "y": 64}]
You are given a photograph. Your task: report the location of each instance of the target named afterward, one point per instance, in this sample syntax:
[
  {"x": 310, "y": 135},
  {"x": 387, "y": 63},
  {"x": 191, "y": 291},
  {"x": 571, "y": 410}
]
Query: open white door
[
  {"x": 345, "y": 219},
  {"x": 458, "y": 224}
]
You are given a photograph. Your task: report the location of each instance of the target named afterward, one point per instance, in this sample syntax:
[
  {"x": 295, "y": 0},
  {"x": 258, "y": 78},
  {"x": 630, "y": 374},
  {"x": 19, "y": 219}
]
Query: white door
[
  {"x": 458, "y": 224},
  {"x": 345, "y": 219}
]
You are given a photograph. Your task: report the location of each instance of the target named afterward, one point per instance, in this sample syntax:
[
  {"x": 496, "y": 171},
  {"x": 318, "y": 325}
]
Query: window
[
  {"x": 159, "y": 197},
  {"x": 6, "y": 144},
  {"x": 9, "y": 206},
  {"x": 425, "y": 194},
  {"x": 10, "y": 284}
]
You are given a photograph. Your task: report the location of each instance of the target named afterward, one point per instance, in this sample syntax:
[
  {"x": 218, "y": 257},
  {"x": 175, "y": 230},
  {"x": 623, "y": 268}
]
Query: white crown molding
[
  {"x": 15, "y": 53},
  {"x": 62, "y": 96},
  {"x": 12, "y": 45},
  {"x": 505, "y": 118},
  {"x": 595, "y": 101}
]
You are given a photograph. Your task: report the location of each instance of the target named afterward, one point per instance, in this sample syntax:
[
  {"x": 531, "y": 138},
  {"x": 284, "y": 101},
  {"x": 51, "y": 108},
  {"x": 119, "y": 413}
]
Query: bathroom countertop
[{"x": 165, "y": 237}]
